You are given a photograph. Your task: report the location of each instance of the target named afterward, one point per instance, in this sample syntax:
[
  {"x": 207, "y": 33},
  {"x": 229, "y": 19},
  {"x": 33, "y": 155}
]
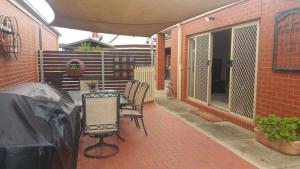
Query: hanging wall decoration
[
  {"x": 286, "y": 54},
  {"x": 75, "y": 68},
  {"x": 10, "y": 40}
]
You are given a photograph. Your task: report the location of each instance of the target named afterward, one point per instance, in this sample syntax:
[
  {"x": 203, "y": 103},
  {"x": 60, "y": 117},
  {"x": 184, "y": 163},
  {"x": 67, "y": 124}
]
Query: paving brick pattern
[{"x": 171, "y": 144}]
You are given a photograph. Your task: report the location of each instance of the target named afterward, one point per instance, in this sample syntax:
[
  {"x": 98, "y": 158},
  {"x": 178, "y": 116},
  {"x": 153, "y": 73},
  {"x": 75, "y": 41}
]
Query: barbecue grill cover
[{"x": 39, "y": 128}]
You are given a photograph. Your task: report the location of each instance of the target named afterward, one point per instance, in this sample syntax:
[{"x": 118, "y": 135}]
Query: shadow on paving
[{"x": 237, "y": 139}]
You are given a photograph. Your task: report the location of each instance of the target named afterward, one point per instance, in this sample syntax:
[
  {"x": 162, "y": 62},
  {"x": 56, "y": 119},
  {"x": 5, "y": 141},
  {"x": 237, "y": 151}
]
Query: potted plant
[
  {"x": 75, "y": 68},
  {"x": 92, "y": 86},
  {"x": 279, "y": 133}
]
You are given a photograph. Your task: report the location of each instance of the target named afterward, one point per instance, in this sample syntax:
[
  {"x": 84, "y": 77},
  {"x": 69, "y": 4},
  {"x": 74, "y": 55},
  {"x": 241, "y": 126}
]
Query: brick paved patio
[{"x": 171, "y": 144}]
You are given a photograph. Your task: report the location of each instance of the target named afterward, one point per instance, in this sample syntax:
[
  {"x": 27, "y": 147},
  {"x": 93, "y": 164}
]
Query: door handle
[{"x": 231, "y": 63}]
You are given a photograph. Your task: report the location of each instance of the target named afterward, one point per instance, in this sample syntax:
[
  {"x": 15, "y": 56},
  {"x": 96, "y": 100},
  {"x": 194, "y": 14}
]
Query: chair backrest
[
  {"x": 128, "y": 88},
  {"x": 101, "y": 112},
  {"x": 84, "y": 84},
  {"x": 140, "y": 96},
  {"x": 133, "y": 91}
]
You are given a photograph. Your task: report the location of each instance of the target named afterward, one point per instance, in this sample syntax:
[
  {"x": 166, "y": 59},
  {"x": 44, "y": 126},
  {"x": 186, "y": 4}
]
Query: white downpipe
[
  {"x": 179, "y": 66},
  {"x": 41, "y": 52},
  {"x": 152, "y": 51}
]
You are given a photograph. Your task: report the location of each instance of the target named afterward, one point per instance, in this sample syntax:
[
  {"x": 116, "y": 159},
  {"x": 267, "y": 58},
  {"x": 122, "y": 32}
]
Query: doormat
[{"x": 207, "y": 116}]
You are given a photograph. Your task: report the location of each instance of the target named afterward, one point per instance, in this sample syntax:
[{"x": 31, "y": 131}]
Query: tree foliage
[{"x": 85, "y": 47}]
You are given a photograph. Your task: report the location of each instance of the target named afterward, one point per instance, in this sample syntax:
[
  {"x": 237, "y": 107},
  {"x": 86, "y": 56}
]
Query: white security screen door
[
  {"x": 198, "y": 65},
  {"x": 243, "y": 71}
]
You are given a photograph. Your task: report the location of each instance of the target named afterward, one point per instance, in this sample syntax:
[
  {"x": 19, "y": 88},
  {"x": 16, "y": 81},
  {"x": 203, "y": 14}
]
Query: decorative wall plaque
[
  {"x": 10, "y": 40},
  {"x": 286, "y": 54}
]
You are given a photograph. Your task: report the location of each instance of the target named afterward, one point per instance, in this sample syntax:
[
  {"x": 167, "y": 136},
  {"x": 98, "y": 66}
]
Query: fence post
[{"x": 102, "y": 65}]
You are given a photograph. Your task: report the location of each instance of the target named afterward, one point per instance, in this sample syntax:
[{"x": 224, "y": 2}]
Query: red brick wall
[
  {"x": 50, "y": 41},
  {"x": 160, "y": 62},
  {"x": 276, "y": 92},
  {"x": 224, "y": 18},
  {"x": 25, "y": 68},
  {"x": 168, "y": 43}
]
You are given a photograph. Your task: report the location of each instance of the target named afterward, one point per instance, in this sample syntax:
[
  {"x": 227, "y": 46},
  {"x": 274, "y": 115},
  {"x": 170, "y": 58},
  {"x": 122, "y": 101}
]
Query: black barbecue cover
[{"x": 39, "y": 128}]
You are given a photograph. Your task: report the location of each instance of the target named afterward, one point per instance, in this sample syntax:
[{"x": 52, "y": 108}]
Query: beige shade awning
[{"x": 128, "y": 17}]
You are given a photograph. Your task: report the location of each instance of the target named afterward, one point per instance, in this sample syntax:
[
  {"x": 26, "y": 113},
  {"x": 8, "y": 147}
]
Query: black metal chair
[
  {"x": 101, "y": 114},
  {"x": 137, "y": 112}
]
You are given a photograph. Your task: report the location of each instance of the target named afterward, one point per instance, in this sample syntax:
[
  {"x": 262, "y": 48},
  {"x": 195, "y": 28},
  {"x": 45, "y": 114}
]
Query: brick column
[{"x": 160, "y": 61}]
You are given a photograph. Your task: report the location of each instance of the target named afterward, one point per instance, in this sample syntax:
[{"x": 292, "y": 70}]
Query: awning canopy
[{"x": 128, "y": 17}]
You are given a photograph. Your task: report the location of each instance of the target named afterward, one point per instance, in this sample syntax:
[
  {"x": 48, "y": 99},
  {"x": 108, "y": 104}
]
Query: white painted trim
[
  {"x": 256, "y": 69},
  {"x": 195, "y": 64},
  {"x": 209, "y": 67},
  {"x": 230, "y": 73},
  {"x": 179, "y": 66},
  {"x": 188, "y": 62}
]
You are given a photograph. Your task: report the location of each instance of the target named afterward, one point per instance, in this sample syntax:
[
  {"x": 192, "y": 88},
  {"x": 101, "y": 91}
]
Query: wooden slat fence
[
  {"x": 146, "y": 74},
  {"x": 118, "y": 67}
]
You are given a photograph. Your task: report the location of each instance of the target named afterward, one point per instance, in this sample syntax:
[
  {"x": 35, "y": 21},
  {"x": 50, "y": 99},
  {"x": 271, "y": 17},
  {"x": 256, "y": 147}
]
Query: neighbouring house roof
[
  {"x": 133, "y": 46},
  {"x": 37, "y": 15},
  {"x": 128, "y": 17},
  {"x": 91, "y": 41}
]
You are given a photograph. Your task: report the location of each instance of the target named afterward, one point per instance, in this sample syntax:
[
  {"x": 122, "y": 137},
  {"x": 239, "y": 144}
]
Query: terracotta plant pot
[
  {"x": 288, "y": 148},
  {"x": 75, "y": 73}
]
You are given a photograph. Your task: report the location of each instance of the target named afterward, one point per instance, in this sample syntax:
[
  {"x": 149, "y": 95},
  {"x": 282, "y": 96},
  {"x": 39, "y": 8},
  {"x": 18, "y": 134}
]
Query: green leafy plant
[
  {"x": 279, "y": 128},
  {"x": 75, "y": 67},
  {"x": 85, "y": 47}
]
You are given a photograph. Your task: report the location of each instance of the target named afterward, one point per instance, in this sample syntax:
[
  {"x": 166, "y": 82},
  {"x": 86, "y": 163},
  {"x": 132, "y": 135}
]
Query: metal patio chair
[
  {"x": 128, "y": 88},
  {"x": 101, "y": 114},
  {"x": 137, "y": 112},
  {"x": 132, "y": 95}
]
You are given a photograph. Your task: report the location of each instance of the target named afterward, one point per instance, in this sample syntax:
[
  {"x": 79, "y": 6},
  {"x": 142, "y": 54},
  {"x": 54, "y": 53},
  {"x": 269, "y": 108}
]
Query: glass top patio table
[{"x": 76, "y": 96}]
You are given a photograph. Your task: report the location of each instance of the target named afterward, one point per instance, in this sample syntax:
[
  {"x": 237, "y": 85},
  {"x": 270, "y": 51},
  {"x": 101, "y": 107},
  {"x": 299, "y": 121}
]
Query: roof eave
[{"x": 37, "y": 15}]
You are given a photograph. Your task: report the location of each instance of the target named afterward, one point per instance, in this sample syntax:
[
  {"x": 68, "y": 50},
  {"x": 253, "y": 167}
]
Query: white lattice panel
[
  {"x": 244, "y": 52},
  {"x": 201, "y": 69}
]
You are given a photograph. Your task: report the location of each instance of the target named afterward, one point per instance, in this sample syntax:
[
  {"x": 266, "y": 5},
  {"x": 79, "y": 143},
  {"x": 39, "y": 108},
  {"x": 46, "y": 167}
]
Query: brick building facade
[
  {"x": 276, "y": 92},
  {"x": 25, "y": 68}
]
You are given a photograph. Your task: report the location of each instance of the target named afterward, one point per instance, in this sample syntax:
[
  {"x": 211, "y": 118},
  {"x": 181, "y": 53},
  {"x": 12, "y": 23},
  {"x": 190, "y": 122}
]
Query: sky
[{"x": 71, "y": 35}]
